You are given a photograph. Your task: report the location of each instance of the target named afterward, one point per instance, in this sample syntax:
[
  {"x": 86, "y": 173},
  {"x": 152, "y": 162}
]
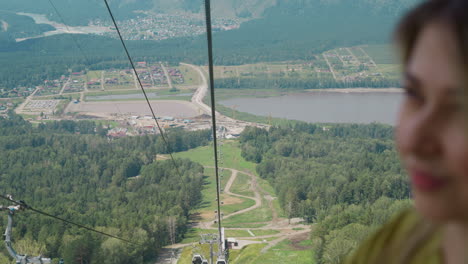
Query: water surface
[{"x": 325, "y": 106}]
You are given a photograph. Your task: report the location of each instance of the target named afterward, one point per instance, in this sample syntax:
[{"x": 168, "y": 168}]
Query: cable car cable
[
  {"x": 21, "y": 203},
  {"x": 79, "y": 47},
  {"x": 68, "y": 29},
  {"x": 141, "y": 86},
  {"x": 213, "y": 106}
]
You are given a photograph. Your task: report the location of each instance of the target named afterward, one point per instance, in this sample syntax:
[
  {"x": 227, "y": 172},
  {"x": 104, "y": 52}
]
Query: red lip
[{"x": 425, "y": 181}]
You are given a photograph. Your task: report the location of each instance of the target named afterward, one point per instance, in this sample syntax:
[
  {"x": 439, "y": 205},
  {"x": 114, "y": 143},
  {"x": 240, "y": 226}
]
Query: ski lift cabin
[
  {"x": 221, "y": 260},
  {"x": 197, "y": 259}
]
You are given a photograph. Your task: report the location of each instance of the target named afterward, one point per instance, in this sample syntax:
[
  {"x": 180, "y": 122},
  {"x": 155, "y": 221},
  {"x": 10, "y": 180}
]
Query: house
[{"x": 232, "y": 242}]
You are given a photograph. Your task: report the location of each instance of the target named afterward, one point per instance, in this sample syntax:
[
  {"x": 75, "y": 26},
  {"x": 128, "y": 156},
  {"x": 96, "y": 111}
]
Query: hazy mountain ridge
[{"x": 81, "y": 12}]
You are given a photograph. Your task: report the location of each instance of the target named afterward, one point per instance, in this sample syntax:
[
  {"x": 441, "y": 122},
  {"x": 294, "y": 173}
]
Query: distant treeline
[
  {"x": 345, "y": 178},
  {"x": 298, "y": 83},
  {"x": 71, "y": 170}
]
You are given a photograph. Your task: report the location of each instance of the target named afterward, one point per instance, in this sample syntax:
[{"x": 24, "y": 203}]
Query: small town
[{"x": 155, "y": 26}]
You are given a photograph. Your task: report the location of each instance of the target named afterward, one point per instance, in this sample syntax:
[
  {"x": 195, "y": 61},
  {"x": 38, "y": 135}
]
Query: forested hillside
[
  {"x": 71, "y": 170},
  {"x": 14, "y": 26},
  {"x": 345, "y": 178},
  {"x": 290, "y": 30},
  {"x": 81, "y": 12}
]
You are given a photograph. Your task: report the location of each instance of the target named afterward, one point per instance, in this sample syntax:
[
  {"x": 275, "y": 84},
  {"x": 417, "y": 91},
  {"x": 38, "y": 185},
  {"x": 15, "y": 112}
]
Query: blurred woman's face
[{"x": 431, "y": 134}]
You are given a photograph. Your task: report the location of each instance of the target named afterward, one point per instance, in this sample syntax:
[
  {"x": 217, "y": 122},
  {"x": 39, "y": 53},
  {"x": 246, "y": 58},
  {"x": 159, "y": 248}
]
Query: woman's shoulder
[{"x": 396, "y": 240}]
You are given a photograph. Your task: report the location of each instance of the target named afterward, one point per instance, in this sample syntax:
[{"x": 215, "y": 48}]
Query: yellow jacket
[{"x": 406, "y": 239}]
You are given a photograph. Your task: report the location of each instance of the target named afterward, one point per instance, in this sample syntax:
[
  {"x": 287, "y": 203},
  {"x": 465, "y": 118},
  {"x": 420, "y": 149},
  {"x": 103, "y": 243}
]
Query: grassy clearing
[
  {"x": 187, "y": 253},
  {"x": 106, "y": 123},
  {"x": 161, "y": 92},
  {"x": 244, "y": 225},
  {"x": 390, "y": 70},
  {"x": 265, "y": 239},
  {"x": 208, "y": 205},
  {"x": 27, "y": 116},
  {"x": 193, "y": 234},
  {"x": 231, "y": 208},
  {"x": 262, "y": 214},
  {"x": 281, "y": 253},
  {"x": 382, "y": 54},
  {"x": 264, "y": 232},
  {"x": 230, "y": 156},
  {"x": 178, "y": 98},
  {"x": 247, "y": 255},
  {"x": 284, "y": 253},
  {"x": 191, "y": 77},
  {"x": 242, "y": 185},
  {"x": 222, "y": 94}
]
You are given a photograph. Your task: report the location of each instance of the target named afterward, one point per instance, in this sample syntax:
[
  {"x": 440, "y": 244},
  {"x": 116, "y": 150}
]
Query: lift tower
[{"x": 20, "y": 259}]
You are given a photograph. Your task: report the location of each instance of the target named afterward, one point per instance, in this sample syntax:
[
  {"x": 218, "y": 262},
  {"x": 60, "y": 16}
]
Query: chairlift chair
[
  {"x": 221, "y": 259},
  {"x": 197, "y": 259}
]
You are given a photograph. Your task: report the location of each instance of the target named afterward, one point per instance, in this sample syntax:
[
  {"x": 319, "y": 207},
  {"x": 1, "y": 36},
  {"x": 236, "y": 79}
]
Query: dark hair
[{"x": 452, "y": 12}]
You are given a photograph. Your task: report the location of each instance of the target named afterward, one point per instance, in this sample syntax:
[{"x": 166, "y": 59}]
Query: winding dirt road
[{"x": 286, "y": 230}]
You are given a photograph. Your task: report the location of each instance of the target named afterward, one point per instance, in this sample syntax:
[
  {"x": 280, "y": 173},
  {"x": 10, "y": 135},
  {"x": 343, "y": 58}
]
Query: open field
[
  {"x": 162, "y": 92},
  {"x": 288, "y": 251},
  {"x": 134, "y": 95},
  {"x": 94, "y": 79},
  {"x": 285, "y": 252},
  {"x": 257, "y": 217},
  {"x": 231, "y": 156},
  {"x": 191, "y": 77},
  {"x": 242, "y": 185},
  {"x": 208, "y": 204},
  {"x": 118, "y": 79},
  {"x": 381, "y": 54},
  {"x": 193, "y": 235},
  {"x": 176, "y": 109},
  {"x": 358, "y": 64}
]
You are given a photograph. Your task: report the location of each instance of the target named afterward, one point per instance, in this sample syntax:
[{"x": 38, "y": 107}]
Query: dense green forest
[
  {"x": 345, "y": 178},
  {"x": 71, "y": 170}
]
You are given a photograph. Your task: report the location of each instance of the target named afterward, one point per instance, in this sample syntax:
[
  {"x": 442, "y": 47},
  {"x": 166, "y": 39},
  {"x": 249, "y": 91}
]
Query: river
[
  {"x": 61, "y": 28},
  {"x": 325, "y": 106}
]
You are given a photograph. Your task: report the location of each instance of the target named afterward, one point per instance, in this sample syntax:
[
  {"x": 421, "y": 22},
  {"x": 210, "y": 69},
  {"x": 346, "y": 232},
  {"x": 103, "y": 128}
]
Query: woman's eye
[{"x": 412, "y": 93}]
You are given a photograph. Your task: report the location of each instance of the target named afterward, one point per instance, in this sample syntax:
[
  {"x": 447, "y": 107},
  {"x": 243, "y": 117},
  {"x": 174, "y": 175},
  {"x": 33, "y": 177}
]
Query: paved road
[
  {"x": 65, "y": 85},
  {"x": 20, "y": 108},
  {"x": 200, "y": 93},
  {"x": 168, "y": 77}
]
